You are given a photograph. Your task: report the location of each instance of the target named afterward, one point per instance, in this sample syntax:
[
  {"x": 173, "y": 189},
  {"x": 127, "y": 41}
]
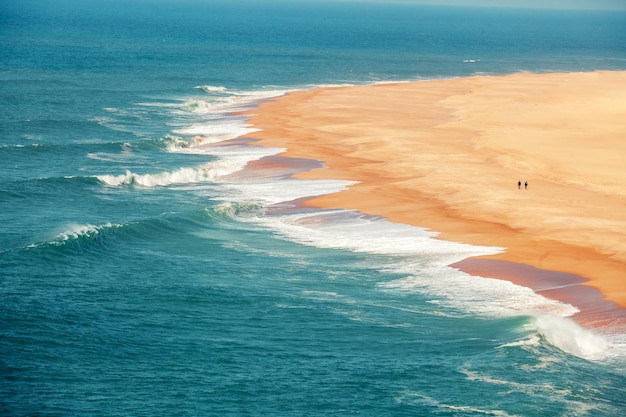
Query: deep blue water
[{"x": 143, "y": 273}]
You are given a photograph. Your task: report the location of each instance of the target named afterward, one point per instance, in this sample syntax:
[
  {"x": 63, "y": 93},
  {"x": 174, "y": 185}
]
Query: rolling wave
[
  {"x": 423, "y": 261},
  {"x": 212, "y": 89},
  {"x": 178, "y": 176},
  {"x": 205, "y": 173},
  {"x": 89, "y": 237},
  {"x": 80, "y": 238},
  {"x": 83, "y": 231},
  {"x": 570, "y": 337}
]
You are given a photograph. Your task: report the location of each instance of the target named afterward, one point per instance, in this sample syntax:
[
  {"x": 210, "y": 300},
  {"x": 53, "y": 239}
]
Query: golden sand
[{"x": 448, "y": 154}]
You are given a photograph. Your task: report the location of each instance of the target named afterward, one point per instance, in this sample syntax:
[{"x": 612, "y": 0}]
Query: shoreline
[
  {"x": 447, "y": 155},
  {"x": 594, "y": 310}
]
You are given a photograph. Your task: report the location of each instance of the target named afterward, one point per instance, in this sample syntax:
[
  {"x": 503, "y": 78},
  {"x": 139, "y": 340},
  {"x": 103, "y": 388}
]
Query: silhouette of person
[
  {"x": 526, "y": 185},
  {"x": 519, "y": 184}
]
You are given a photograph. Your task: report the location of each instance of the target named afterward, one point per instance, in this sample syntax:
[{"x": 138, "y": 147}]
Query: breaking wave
[
  {"x": 176, "y": 177},
  {"x": 569, "y": 336},
  {"x": 212, "y": 89}
]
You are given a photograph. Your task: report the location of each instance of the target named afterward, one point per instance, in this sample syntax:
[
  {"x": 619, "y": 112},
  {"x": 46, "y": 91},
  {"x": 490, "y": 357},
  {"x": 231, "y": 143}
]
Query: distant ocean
[{"x": 142, "y": 273}]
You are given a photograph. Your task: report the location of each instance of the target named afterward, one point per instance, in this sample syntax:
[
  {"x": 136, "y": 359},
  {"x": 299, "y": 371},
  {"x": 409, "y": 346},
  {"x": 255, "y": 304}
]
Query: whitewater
[{"x": 272, "y": 203}]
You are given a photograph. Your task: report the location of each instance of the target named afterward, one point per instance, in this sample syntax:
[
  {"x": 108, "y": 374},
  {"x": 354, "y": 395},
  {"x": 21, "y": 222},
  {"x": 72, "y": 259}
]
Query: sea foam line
[
  {"x": 415, "y": 253},
  {"x": 219, "y": 124},
  {"x": 423, "y": 261}
]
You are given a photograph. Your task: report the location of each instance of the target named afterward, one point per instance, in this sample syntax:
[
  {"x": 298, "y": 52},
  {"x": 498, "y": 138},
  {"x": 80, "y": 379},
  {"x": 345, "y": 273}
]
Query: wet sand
[{"x": 447, "y": 155}]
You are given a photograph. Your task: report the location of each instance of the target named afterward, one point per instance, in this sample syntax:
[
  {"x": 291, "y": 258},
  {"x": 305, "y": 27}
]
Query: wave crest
[
  {"x": 570, "y": 337},
  {"x": 77, "y": 231},
  {"x": 162, "y": 179},
  {"x": 212, "y": 88},
  {"x": 80, "y": 237}
]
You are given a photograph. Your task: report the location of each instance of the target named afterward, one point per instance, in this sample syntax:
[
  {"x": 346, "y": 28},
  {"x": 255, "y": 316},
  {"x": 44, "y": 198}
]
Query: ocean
[{"x": 145, "y": 271}]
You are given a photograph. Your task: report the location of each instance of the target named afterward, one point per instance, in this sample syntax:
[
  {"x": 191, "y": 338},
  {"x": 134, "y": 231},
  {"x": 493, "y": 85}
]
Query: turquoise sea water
[{"x": 142, "y": 272}]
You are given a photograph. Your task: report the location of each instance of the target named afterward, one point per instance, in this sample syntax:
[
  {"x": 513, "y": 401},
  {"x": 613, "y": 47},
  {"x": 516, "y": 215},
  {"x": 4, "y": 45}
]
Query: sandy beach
[{"x": 447, "y": 155}]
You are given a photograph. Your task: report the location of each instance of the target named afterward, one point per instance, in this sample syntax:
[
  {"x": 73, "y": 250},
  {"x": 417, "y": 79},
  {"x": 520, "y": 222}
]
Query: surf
[{"x": 415, "y": 254}]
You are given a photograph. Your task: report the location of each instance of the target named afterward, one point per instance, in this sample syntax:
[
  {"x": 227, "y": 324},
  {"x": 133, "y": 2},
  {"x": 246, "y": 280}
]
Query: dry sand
[{"x": 447, "y": 155}]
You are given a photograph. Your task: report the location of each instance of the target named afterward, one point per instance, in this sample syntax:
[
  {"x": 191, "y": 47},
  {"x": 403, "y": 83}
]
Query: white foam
[
  {"x": 33, "y": 145},
  {"x": 277, "y": 191},
  {"x": 227, "y": 100},
  {"x": 208, "y": 172},
  {"x": 211, "y": 119},
  {"x": 570, "y": 337},
  {"x": 230, "y": 159},
  {"x": 212, "y": 88},
  {"x": 344, "y": 229},
  {"x": 423, "y": 260},
  {"x": 539, "y": 390},
  {"x": 477, "y": 295},
  {"x": 414, "y": 398},
  {"x": 212, "y": 132},
  {"x": 415, "y": 254},
  {"x": 532, "y": 340},
  {"x": 75, "y": 230},
  {"x": 218, "y": 123}
]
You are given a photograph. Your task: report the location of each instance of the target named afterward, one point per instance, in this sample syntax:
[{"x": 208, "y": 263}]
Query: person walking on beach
[
  {"x": 519, "y": 185},
  {"x": 526, "y": 185}
]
